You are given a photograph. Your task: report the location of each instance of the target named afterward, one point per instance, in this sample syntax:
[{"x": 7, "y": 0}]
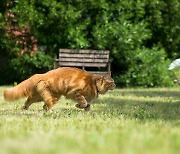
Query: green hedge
[
  {"x": 136, "y": 33},
  {"x": 148, "y": 69},
  {"x": 22, "y": 67}
]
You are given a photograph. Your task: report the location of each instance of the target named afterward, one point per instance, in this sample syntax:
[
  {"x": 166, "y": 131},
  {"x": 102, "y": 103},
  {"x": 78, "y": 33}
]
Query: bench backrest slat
[
  {"x": 84, "y": 51},
  {"x": 86, "y": 58},
  {"x": 75, "y": 55}
]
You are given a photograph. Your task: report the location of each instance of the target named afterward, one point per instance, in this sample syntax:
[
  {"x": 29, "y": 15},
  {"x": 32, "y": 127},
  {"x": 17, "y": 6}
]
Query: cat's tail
[{"x": 21, "y": 90}]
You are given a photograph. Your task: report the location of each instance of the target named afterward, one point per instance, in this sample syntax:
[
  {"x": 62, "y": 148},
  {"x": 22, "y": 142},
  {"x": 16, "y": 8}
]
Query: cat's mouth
[{"x": 112, "y": 87}]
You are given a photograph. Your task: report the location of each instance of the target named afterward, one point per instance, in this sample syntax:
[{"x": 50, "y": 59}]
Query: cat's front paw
[
  {"x": 47, "y": 108},
  {"x": 87, "y": 108},
  {"x": 79, "y": 106},
  {"x": 25, "y": 107}
]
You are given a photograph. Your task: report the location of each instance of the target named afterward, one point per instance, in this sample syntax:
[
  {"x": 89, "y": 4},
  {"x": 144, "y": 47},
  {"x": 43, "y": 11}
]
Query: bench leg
[{"x": 109, "y": 67}]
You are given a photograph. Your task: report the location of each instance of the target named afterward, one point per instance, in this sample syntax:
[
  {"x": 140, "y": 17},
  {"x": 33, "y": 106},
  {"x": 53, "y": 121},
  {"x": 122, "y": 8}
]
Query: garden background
[{"x": 143, "y": 37}]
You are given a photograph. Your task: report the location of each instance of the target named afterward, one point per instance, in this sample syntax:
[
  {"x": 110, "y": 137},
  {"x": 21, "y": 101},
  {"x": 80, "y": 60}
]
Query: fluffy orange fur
[{"x": 73, "y": 83}]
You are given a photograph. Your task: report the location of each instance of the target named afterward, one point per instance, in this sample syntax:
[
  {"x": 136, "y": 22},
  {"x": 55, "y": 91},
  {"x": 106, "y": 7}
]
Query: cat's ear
[
  {"x": 108, "y": 74},
  {"x": 98, "y": 77}
]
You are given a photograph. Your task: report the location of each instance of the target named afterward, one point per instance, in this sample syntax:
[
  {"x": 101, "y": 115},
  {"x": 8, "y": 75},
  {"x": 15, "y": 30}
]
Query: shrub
[
  {"x": 149, "y": 68},
  {"x": 24, "y": 66},
  {"x": 123, "y": 27}
]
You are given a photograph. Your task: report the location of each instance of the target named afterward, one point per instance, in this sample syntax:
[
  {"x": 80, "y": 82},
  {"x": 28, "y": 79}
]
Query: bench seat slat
[
  {"x": 83, "y": 60},
  {"x": 82, "y": 64}
]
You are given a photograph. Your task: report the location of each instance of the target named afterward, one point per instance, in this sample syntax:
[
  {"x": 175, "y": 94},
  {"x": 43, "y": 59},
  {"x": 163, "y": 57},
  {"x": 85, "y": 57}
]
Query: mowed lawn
[{"x": 127, "y": 121}]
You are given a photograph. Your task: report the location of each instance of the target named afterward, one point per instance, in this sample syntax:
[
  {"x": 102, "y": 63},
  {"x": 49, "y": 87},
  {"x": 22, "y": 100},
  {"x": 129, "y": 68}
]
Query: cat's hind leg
[
  {"x": 31, "y": 100},
  {"x": 27, "y": 103}
]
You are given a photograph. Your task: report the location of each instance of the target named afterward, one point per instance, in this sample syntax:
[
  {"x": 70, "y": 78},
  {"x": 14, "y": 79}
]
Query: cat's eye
[{"x": 110, "y": 81}]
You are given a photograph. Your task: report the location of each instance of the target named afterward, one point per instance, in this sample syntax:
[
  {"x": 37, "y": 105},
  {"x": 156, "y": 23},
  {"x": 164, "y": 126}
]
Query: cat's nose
[{"x": 114, "y": 85}]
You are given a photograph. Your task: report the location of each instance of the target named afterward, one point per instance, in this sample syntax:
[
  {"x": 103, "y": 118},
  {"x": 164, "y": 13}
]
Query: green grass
[{"x": 128, "y": 121}]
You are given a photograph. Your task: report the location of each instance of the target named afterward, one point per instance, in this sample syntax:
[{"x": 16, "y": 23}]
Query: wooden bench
[{"x": 84, "y": 59}]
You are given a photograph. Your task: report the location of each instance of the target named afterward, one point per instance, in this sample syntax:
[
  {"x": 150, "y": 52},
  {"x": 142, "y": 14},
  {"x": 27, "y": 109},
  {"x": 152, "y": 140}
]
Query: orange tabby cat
[{"x": 73, "y": 83}]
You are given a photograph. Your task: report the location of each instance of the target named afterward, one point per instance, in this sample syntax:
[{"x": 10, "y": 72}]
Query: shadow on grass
[
  {"x": 149, "y": 93},
  {"x": 109, "y": 108},
  {"x": 146, "y": 105},
  {"x": 143, "y": 109},
  {"x": 17, "y": 112},
  {"x": 57, "y": 112}
]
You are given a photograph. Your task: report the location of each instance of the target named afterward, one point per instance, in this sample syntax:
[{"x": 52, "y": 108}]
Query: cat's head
[{"x": 104, "y": 83}]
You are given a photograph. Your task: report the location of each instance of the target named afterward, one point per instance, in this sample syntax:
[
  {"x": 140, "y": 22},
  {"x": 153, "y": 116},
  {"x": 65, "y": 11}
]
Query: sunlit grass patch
[{"x": 122, "y": 121}]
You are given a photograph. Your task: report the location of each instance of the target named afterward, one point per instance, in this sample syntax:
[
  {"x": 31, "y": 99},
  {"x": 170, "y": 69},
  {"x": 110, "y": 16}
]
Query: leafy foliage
[
  {"x": 149, "y": 69},
  {"x": 124, "y": 27},
  {"x": 24, "y": 66}
]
